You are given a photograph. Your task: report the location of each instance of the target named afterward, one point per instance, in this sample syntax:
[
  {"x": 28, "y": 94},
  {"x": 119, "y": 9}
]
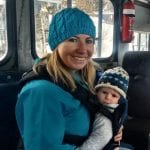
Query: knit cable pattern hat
[
  {"x": 67, "y": 23},
  {"x": 116, "y": 78}
]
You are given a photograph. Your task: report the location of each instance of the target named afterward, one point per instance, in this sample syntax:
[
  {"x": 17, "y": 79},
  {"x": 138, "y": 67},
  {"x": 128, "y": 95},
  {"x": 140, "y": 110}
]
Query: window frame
[
  {"x": 139, "y": 41},
  {"x": 112, "y": 57},
  {"x": 11, "y": 31}
]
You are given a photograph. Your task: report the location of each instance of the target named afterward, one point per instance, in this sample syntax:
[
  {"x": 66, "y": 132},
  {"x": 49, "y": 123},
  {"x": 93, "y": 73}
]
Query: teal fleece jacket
[{"x": 45, "y": 112}]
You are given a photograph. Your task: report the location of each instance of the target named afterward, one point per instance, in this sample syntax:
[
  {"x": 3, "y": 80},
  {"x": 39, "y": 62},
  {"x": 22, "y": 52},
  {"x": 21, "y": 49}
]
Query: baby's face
[{"x": 108, "y": 95}]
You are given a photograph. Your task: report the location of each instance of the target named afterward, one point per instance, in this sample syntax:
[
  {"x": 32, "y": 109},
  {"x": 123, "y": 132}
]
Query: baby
[{"x": 111, "y": 113}]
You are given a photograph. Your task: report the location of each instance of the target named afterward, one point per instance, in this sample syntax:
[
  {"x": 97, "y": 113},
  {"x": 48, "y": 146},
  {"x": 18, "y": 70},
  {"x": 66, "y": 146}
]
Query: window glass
[
  {"x": 133, "y": 46},
  {"x": 91, "y": 7},
  {"x": 107, "y": 29},
  {"x": 140, "y": 42},
  {"x": 3, "y": 30},
  {"x": 104, "y": 29},
  {"x": 43, "y": 11},
  {"x": 144, "y": 42}
]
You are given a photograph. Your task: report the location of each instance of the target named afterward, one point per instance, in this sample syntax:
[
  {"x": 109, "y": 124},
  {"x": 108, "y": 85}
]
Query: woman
[{"x": 52, "y": 110}]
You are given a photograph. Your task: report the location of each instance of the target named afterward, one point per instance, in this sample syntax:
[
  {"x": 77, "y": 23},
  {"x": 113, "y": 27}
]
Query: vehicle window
[
  {"x": 44, "y": 9},
  {"x": 91, "y": 8},
  {"x": 3, "y": 30},
  {"x": 104, "y": 25},
  {"x": 140, "y": 42},
  {"x": 107, "y": 29}
]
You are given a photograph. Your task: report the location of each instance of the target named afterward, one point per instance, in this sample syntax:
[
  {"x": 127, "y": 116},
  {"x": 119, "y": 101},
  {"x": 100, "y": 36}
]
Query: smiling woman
[
  {"x": 76, "y": 51},
  {"x": 53, "y": 104},
  {"x": 60, "y": 87},
  {"x": 62, "y": 99}
]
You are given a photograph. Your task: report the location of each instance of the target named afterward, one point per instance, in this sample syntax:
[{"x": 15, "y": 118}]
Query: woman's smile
[{"x": 76, "y": 51}]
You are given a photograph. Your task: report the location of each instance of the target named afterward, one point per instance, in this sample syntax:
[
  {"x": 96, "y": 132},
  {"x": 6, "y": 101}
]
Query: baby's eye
[
  {"x": 73, "y": 39},
  {"x": 113, "y": 95},
  {"x": 104, "y": 92}
]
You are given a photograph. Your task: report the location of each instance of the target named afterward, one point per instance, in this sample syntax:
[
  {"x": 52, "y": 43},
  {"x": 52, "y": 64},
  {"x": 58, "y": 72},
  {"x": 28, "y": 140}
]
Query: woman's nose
[{"x": 82, "y": 47}]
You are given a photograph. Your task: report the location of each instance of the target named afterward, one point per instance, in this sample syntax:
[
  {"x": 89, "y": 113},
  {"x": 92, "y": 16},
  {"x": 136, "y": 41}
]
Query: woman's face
[{"x": 76, "y": 51}]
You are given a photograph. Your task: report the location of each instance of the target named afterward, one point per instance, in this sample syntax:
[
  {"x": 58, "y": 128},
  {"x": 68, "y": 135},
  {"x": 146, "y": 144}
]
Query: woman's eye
[
  {"x": 72, "y": 40},
  {"x": 90, "y": 41}
]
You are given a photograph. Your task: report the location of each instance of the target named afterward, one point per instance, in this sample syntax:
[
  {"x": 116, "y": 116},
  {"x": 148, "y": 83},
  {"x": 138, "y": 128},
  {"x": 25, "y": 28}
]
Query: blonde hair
[{"x": 59, "y": 72}]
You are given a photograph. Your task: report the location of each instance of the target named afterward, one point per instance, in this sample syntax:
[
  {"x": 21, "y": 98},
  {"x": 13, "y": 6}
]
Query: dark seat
[
  {"x": 137, "y": 129},
  {"x": 9, "y": 134}
]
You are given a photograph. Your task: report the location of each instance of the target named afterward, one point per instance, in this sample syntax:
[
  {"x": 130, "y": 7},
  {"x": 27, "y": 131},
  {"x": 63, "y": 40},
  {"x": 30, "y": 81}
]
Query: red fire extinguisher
[{"x": 128, "y": 19}]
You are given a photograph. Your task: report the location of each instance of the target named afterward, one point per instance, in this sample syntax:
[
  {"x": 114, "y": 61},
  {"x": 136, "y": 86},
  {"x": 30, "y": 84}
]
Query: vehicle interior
[{"x": 23, "y": 40}]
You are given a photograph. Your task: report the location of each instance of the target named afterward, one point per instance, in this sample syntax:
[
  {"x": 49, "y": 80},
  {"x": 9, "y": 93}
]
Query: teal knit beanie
[{"x": 67, "y": 23}]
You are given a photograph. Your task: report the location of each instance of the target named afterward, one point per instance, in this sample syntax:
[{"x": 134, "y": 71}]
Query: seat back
[
  {"x": 137, "y": 64},
  {"x": 9, "y": 133},
  {"x": 137, "y": 128}
]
